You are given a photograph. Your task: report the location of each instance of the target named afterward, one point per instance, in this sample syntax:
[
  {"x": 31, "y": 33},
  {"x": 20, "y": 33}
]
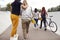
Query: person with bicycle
[{"x": 43, "y": 16}]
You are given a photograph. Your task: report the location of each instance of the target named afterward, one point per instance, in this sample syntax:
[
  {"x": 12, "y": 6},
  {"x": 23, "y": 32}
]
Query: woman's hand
[{"x": 24, "y": 5}]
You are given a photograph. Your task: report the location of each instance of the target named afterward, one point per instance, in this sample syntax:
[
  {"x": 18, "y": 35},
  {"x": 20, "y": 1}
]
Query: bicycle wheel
[{"x": 53, "y": 26}]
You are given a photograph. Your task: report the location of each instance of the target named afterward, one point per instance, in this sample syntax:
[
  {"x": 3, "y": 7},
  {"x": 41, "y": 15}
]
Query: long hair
[
  {"x": 25, "y": 2},
  {"x": 43, "y": 11}
]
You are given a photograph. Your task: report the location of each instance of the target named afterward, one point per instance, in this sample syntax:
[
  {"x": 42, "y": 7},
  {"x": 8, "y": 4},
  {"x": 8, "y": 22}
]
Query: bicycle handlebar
[{"x": 50, "y": 16}]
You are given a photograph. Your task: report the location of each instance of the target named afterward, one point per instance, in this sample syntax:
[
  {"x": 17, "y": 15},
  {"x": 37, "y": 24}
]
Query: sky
[{"x": 35, "y": 3}]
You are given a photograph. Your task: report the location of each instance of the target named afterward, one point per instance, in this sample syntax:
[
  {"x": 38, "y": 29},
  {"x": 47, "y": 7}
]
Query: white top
[
  {"x": 36, "y": 15},
  {"x": 27, "y": 14}
]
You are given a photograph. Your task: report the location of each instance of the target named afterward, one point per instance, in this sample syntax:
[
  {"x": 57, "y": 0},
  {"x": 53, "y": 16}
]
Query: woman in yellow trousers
[
  {"x": 15, "y": 12},
  {"x": 14, "y": 19}
]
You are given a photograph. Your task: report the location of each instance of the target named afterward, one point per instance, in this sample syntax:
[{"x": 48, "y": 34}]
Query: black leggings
[{"x": 43, "y": 20}]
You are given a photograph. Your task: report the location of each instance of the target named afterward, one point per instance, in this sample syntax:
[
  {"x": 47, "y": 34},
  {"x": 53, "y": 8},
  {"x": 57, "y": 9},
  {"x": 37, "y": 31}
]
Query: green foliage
[
  {"x": 53, "y": 9},
  {"x": 8, "y": 7}
]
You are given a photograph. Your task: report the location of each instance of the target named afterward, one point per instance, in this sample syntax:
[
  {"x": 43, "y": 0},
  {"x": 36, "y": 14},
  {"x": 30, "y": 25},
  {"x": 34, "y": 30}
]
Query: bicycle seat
[{"x": 50, "y": 16}]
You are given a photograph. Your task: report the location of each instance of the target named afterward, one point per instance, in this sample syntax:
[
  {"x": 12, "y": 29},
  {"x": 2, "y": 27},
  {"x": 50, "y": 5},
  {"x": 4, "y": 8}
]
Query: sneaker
[
  {"x": 45, "y": 29},
  {"x": 11, "y": 38},
  {"x": 15, "y": 37},
  {"x": 40, "y": 27},
  {"x": 35, "y": 25}
]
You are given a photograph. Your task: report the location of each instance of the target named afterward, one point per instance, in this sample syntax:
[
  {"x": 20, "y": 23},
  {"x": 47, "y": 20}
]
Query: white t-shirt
[
  {"x": 27, "y": 14},
  {"x": 36, "y": 15}
]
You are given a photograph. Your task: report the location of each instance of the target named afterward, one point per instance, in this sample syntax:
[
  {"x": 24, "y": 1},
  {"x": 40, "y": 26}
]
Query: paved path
[{"x": 34, "y": 34}]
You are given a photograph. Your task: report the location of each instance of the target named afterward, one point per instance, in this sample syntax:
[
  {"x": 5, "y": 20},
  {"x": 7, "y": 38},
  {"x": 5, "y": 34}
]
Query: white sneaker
[
  {"x": 11, "y": 38},
  {"x": 15, "y": 37}
]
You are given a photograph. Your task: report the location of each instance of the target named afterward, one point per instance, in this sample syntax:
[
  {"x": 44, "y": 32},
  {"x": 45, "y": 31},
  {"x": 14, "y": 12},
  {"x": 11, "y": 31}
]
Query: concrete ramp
[{"x": 34, "y": 34}]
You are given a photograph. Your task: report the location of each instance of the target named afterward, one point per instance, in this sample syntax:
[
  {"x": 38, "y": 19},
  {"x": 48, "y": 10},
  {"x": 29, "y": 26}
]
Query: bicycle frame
[{"x": 49, "y": 21}]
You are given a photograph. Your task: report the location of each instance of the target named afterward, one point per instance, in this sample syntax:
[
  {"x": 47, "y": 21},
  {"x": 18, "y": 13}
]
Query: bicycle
[{"x": 52, "y": 24}]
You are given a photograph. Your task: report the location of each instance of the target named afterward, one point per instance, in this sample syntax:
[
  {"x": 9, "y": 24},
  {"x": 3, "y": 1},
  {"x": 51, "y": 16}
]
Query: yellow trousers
[{"x": 14, "y": 19}]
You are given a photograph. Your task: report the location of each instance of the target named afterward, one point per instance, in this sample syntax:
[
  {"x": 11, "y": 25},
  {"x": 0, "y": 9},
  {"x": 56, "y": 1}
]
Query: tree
[
  {"x": 8, "y": 7},
  {"x": 58, "y": 8},
  {"x": 53, "y": 9},
  {"x": 49, "y": 10}
]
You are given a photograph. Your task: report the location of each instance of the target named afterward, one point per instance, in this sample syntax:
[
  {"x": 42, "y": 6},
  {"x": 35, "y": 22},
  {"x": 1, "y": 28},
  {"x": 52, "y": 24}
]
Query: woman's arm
[
  {"x": 46, "y": 14},
  {"x": 24, "y": 6}
]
